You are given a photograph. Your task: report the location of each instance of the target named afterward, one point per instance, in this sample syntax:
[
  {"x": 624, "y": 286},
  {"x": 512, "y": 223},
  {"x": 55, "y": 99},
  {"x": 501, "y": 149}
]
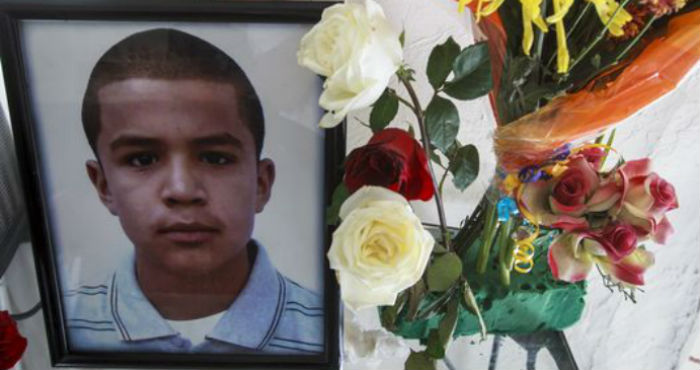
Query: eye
[
  {"x": 142, "y": 159},
  {"x": 216, "y": 158}
]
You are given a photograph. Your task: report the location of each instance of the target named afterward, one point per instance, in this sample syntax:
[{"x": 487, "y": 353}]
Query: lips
[{"x": 188, "y": 233}]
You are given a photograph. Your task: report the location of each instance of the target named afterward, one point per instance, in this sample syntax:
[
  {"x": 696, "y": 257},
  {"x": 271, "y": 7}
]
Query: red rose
[
  {"x": 618, "y": 240},
  {"x": 394, "y": 160},
  {"x": 12, "y": 344}
]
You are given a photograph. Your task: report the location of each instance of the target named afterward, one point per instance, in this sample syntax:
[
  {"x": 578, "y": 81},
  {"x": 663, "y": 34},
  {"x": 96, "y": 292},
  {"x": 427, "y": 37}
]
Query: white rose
[
  {"x": 379, "y": 249},
  {"x": 357, "y": 50}
]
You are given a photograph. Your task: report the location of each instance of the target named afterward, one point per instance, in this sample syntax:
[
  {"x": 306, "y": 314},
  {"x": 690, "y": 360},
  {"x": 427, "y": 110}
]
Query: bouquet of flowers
[{"x": 558, "y": 74}]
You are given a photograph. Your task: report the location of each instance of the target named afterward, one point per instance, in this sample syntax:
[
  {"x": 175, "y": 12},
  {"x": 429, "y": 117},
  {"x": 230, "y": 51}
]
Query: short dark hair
[{"x": 169, "y": 54}]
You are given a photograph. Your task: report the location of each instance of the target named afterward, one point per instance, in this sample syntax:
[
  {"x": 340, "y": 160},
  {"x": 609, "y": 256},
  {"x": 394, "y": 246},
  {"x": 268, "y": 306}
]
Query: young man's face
[{"x": 179, "y": 169}]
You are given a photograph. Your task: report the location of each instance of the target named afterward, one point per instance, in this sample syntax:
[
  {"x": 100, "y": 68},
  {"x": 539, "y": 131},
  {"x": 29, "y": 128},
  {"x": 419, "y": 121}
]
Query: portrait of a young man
[{"x": 176, "y": 129}]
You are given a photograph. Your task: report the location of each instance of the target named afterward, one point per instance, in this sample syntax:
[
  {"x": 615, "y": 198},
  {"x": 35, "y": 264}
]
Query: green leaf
[
  {"x": 442, "y": 121},
  {"x": 416, "y": 294},
  {"x": 439, "y": 249},
  {"x": 383, "y": 111},
  {"x": 464, "y": 166},
  {"x": 419, "y": 361},
  {"x": 452, "y": 150},
  {"x": 443, "y": 272},
  {"x": 472, "y": 73},
  {"x": 402, "y": 38},
  {"x": 388, "y": 318},
  {"x": 389, "y": 314},
  {"x": 448, "y": 322},
  {"x": 340, "y": 194},
  {"x": 469, "y": 302},
  {"x": 434, "y": 348},
  {"x": 440, "y": 62},
  {"x": 411, "y": 131}
]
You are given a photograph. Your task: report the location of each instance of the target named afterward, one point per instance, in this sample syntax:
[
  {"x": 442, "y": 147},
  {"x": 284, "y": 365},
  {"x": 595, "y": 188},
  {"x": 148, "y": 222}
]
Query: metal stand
[{"x": 554, "y": 341}]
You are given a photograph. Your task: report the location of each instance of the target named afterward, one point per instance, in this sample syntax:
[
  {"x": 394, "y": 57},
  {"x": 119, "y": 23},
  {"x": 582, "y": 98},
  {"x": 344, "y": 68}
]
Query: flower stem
[
  {"x": 490, "y": 228},
  {"x": 418, "y": 111},
  {"x": 402, "y": 100},
  {"x": 599, "y": 37},
  {"x": 442, "y": 181},
  {"x": 635, "y": 40}
]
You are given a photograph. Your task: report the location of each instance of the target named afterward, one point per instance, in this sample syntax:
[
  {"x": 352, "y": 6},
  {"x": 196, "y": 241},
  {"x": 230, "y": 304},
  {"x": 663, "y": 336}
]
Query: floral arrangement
[{"x": 559, "y": 190}]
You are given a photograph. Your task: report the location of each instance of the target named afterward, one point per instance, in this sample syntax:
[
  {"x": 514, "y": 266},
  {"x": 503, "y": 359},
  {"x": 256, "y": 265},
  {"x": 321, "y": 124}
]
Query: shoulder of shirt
[
  {"x": 87, "y": 311},
  {"x": 301, "y": 325}
]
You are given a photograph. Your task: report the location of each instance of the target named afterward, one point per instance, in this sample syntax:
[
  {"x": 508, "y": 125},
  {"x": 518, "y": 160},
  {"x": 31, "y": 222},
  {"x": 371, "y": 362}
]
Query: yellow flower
[
  {"x": 531, "y": 14},
  {"x": 606, "y": 10},
  {"x": 561, "y": 7}
]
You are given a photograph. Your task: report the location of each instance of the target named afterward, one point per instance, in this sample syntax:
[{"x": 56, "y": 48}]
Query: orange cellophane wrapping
[{"x": 654, "y": 72}]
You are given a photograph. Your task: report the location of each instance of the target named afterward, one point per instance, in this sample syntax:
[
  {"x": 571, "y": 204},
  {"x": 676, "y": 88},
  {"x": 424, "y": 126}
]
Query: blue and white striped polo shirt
[{"x": 272, "y": 314}]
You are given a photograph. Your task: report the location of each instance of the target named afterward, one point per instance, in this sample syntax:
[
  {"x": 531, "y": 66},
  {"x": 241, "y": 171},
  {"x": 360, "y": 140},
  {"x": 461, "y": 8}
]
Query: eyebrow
[
  {"x": 218, "y": 139},
  {"x": 132, "y": 140}
]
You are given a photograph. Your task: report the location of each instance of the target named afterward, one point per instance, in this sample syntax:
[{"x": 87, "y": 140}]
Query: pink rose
[
  {"x": 562, "y": 201},
  {"x": 594, "y": 155},
  {"x": 646, "y": 198},
  {"x": 572, "y": 256},
  {"x": 569, "y": 193},
  {"x": 618, "y": 240}
]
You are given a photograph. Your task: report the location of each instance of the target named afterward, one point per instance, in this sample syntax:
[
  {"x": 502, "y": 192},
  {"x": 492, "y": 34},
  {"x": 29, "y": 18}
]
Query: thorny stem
[
  {"x": 418, "y": 111},
  {"x": 402, "y": 100}
]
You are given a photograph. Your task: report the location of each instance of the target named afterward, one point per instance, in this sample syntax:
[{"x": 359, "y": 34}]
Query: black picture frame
[{"x": 12, "y": 13}]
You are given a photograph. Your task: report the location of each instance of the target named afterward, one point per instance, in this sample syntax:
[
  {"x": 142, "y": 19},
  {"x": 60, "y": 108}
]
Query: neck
[{"x": 185, "y": 297}]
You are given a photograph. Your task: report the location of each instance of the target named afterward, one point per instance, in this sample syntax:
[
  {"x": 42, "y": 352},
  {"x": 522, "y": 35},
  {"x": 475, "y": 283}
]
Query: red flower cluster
[{"x": 391, "y": 159}]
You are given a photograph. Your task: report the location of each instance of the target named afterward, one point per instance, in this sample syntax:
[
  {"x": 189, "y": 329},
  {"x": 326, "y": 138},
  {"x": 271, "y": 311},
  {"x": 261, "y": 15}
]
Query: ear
[
  {"x": 266, "y": 177},
  {"x": 97, "y": 177}
]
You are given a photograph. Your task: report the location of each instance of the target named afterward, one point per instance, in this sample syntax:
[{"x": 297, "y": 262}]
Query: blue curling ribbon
[
  {"x": 562, "y": 153},
  {"x": 506, "y": 206},
  {"x": 530, "y": 174}
]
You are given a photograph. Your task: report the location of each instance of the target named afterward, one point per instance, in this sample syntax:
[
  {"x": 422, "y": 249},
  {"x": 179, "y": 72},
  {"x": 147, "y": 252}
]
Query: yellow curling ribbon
[{"x": 524, "y": 252}]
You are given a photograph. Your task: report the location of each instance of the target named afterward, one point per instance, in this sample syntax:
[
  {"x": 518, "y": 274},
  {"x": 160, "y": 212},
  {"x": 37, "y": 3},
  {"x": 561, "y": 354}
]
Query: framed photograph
[{"x": 176, "y": 181}]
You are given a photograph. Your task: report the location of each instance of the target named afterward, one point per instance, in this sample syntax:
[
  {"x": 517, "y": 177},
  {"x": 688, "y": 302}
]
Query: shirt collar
[
  {"x": 249, "y": 322},
  {"x": 252, "y": 318},
  {"x": 134, "y": 316}
]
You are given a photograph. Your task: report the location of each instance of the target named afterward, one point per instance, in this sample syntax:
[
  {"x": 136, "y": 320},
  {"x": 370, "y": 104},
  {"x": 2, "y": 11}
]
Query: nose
[{"x": 182, "y": 185}]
